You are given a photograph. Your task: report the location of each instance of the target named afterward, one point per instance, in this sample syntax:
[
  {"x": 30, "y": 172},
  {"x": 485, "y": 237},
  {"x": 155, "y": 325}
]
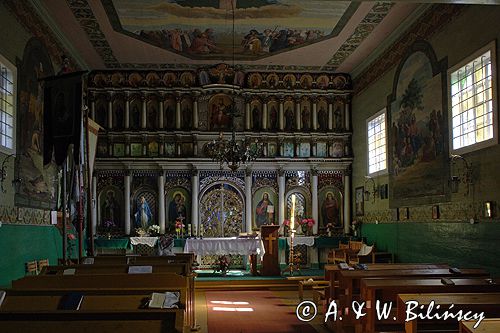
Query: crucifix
[{"x": 270, "y": 240}]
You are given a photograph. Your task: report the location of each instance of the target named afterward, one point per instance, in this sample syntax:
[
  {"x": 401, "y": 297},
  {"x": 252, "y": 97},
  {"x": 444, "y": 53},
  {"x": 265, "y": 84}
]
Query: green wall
[
  {"x": 20, "y": 244},
  {"x": 459, "y": 244},
  {"x": 450, "y": 239}
]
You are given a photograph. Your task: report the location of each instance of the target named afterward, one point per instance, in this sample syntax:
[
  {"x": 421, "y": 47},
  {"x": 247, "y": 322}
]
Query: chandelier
[{"x": 231, "y": 152}]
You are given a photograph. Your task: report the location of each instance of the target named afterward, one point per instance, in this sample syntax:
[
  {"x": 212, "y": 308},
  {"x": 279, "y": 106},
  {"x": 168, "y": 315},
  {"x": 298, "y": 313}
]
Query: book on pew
[
  {"x": 69, "y": 271},
  {"x": 167, "y": 300},
  {"x": 455, "y": 270},
  {"x": 140, "y": 270},
  {"x": 71, "y": 301},
  {"x": 345, "y": 266},
  {"x": 446, "y": 281},
  {"x": 88, "y": 261}
]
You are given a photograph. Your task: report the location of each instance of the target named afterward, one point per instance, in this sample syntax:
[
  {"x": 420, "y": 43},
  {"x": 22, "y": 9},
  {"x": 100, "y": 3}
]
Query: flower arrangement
[
  {"x": 286, "y": 227},
  {"x": 154, "y": 230},
  {"x": 109, "y": 225},
  {"x": 70, "y": 244},
  {"x": 222, "y": 264},
  {"x": 355, "y": 225},
  {"x": 141, "y": 232},
  {"x": 307, "y": 225},
  {"x": 329, "y": 229},
  {"x": 179, "y": 227}
]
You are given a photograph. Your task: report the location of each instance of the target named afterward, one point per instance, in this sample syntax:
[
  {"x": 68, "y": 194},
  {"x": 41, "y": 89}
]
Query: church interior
[{"x": 168, "y": 164}]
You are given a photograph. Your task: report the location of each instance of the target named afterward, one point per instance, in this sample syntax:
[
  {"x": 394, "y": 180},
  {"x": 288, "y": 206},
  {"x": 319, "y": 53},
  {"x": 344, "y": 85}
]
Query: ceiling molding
[
  {"x": 43, "y": 13},
  {"x": 391, "y": 39},
  {"x": 431, "y": 22},
  {"x": 378, "y": 12}
]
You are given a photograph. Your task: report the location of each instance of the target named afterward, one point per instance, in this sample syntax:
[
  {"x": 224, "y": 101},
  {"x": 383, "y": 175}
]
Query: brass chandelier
[{"x": 233, "y": 153}]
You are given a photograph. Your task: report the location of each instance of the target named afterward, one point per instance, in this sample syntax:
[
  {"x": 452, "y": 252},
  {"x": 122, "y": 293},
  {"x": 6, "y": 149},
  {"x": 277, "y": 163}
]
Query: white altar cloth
[
  {"x": 222, "y": 246},
  {"x": 149, "y": 241},
  {"x": 301, "y": 240}
]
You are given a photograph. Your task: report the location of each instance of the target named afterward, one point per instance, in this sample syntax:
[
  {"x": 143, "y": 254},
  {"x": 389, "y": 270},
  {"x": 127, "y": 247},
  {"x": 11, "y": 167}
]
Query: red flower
[
  {"x": 286, "y": 222},
  {"x": 71, "y": 236}
]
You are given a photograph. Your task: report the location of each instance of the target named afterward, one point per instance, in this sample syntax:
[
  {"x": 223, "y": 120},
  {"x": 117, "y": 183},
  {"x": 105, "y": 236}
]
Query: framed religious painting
[
  {"x": 170, "y": 149},
  {"x": 135, "y": 149},
  {"x": 272, "y": 149},
  {"x": 119, "y": 150},
  {"x": 288, "y": 149},
  {"x": 359, "y": 200},
  {"x": 153, "y": 149},
  {"x": 305, "y": 149},
  {"x": 321, "y": 149}
]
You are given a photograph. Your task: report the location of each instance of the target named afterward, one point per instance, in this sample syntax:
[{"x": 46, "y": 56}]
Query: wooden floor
[{"x": 289, "y": 297}]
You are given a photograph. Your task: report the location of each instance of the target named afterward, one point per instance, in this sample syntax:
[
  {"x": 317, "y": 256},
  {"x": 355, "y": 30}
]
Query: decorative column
[
  {"x": 143, "y": 114},
  {"x": 264, "y": 115},
  {"x": 161, "y": 120},
  {"x": 127, "y": 110},
  {"x": 195, "y": 112},
  {"x": 330, "y": 115},
  {"x": 281, "y": 196},
  {"x": 178, "y": 112},
  {"x": 315, "y": 114},
  {"x": 161, "y": 201},
  {"x": 195, "y": 188},
  {"x": 127, "y": 202},
  {"x": 110, "y": 111},
  {"x": 248, "y": 199},
  {"x": 297, "y": 115},
  {"x": 347, "y": 117},
  {"x": 247, "y": 115},
  {"x": 314, "y": 191},
  {"x": 347, "y": 201},
  {"x": 94, "y": 204},
  {"x": 281, "y": 116},
  {"x": 92, "y": 107}
]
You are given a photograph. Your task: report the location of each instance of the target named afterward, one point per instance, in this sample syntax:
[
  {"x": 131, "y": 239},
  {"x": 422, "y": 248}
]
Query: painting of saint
[
  {"x": 330, "y": 211},
  {"x": 322, "y": 118},
  {"x": 256, "y": 118},
  {"x": 289, "y": 117},
  {"x": 177, "y": 208},
  {"x": 306, "y": 118},
  {"x": 273, "y": 118},
  {"x": 109, "y": 208},
  {"x": 219, "y": 107},
  {"x": 264, "y": 212},
  {"x": 143, "y": 216}
]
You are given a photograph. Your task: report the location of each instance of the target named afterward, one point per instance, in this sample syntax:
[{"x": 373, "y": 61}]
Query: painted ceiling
[{"x": 314, "y": 35}]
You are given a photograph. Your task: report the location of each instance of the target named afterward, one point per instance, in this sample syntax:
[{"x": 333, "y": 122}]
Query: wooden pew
[
  {"x": 177, "y": 268},
  {"x": 387, "y": 289},
  {"x": 489, "y": 303},
  {"x": 98, "y": 313},
  {"x": 332, "y": 273},
  {"x": 141, "y": 260},
  {"x": 113, "y": 284},
  {"x": 490, "y": 325}
]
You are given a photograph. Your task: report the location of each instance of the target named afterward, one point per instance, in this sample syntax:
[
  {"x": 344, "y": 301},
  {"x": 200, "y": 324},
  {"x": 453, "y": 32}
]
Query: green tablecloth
[{"x": 113, "y": 243}]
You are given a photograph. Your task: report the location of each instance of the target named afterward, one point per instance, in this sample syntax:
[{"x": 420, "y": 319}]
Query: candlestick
[
  {"x": 189, "y": 230},
  {"x": 292, "y": 219}
]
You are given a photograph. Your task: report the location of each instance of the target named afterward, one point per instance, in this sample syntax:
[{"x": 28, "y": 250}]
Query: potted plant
[
  {"x": 286, "y": 227},
  {"x": 222, "y": 265},
  {"x": 306, "y": 226},
  {"x": 179, "y": 227},
  {"x": 109, "y": 226}
]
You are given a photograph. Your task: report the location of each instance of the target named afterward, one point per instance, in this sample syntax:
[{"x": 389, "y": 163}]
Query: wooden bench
[
  {"x": 177, "y": 268},
  {"x": 476, "y": 302},
  {"x": 113, "y": 284},
  {"x": 141, "y": 260},
  {"x": 386, "y": 290},
  {"x": 490, "y": 325},
  {"x": 99, "y": 313}
]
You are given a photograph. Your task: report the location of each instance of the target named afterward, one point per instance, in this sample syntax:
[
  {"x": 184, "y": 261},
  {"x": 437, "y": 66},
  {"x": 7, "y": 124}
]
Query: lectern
[{"x": 270, "y": 262}]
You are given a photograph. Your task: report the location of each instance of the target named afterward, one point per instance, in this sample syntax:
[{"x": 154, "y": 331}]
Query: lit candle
[
  {"x": 189, "y": 230},
  {"x": 292, "y": 214}
]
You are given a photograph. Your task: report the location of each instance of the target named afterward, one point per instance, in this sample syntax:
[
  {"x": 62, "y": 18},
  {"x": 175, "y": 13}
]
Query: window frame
[
  {"x": 491, "y": 46},
  {"x": 368, "y": 120},
  {"x": 5, "y": 150}
]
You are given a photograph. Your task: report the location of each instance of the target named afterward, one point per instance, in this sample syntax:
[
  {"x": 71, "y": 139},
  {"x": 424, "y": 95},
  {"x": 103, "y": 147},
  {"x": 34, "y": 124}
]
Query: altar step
[{"x": 259, "y": 283}]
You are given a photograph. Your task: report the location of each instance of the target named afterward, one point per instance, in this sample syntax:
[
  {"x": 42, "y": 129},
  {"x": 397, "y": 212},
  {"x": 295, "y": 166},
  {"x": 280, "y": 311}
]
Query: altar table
[{"x": 230, "y": 245}]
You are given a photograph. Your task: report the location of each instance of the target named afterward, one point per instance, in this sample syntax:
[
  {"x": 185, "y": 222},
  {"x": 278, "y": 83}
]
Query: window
[
  {"x": 7, "y": 106},
  {"x": 473, "y": 102},
  {"x": 376, "y": 143}
]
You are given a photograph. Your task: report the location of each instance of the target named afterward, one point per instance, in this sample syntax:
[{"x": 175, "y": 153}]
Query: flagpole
[{"x": 89, "y": 185}]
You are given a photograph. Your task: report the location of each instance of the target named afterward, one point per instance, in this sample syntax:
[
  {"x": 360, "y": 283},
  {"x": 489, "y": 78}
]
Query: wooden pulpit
[{"x": 270, "y": 262}]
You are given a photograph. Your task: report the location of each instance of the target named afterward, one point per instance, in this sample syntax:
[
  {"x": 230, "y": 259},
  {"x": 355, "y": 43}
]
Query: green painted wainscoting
[
  {"x": 22, "y": 243},
  {"x": 459, "y": 244}
]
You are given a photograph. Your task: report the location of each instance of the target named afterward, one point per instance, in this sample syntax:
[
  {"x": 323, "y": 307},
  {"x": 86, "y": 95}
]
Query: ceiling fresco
[{"x": 203, "y": 29}]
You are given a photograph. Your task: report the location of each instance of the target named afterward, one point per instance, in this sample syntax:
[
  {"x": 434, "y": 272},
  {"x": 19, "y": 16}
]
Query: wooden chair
[
  {"x": 32, "y": 268},
  {"x": 364, "y": 255},
  {"x": 339, "y": 254},
  {"x": 42, "y": 263}
]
